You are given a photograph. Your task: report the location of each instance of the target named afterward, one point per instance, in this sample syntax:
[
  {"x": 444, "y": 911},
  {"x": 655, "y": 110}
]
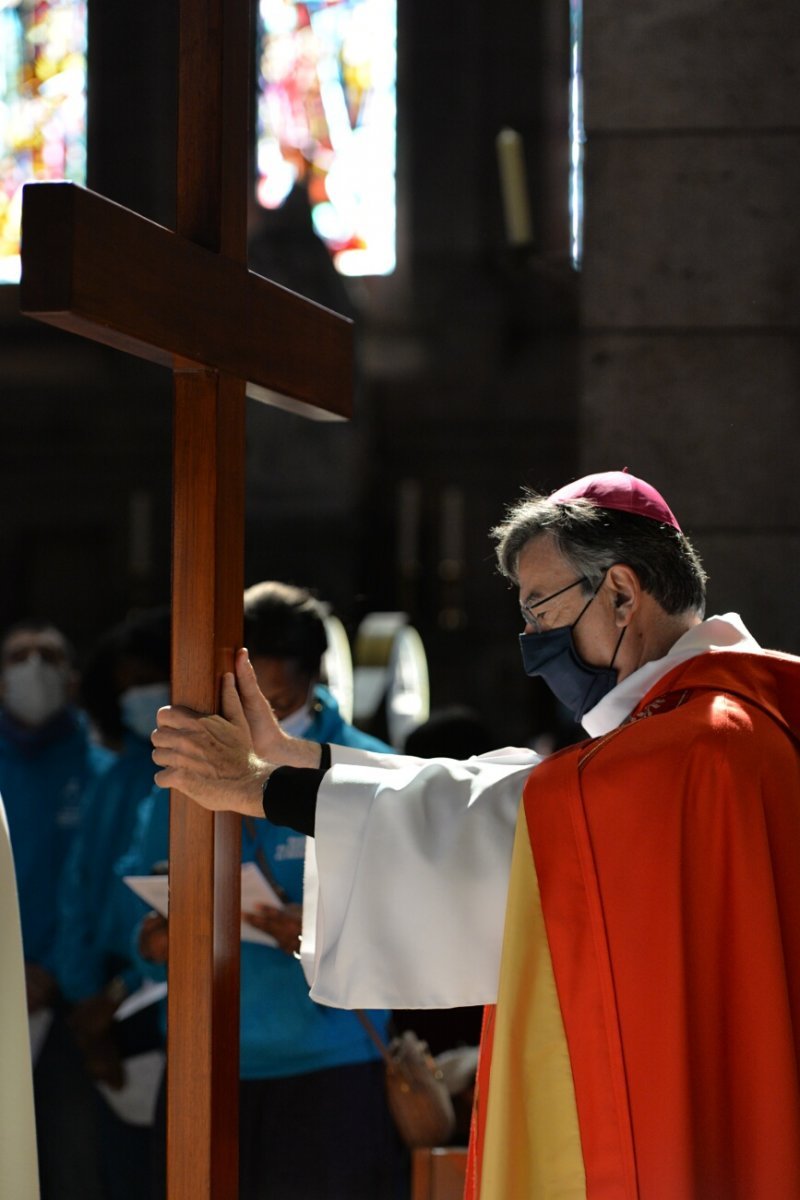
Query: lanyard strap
[{"x": 263, "y": 862}]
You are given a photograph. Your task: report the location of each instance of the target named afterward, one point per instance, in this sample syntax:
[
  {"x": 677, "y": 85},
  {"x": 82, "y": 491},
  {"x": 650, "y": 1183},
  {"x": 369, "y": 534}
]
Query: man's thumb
[
  {"x": 232, "y": 708},
  {"x": 252, "y": 698}
]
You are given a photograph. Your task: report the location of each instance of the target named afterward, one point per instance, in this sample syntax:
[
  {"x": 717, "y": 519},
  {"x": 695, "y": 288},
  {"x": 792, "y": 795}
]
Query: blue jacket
[
  {"x": 282, "y": 1031},
  {"x": 44, "y": 774},
  {"x": 93, "y": 943}
]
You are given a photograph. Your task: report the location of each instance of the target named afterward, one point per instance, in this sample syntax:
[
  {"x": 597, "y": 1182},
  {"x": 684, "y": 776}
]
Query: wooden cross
[{"x": 186, "y": 299}]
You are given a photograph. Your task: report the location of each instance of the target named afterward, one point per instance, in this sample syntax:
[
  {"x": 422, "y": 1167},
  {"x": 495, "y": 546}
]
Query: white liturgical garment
[
  {"x": 413, "y": 859},
  {"x": 407, "y": 874},
  {"x": 19, "y": 1179}
]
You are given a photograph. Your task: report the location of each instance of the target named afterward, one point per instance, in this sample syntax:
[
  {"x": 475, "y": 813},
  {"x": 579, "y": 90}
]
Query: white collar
[{"x": 717, "y": 633}]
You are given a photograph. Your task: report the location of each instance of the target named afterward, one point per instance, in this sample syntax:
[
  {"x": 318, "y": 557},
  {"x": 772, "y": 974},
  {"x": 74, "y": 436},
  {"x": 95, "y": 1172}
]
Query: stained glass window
[
  {"x": 326, "y": 120},
  {"x": 576, "y": 133},
  {"x": 42, "y": 106}
]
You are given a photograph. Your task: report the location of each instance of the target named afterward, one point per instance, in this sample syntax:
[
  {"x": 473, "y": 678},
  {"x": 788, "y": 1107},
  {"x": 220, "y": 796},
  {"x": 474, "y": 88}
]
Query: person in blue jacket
[
  {"x": 314, "y": 1123},
  {"x": 125, "y": 683},
  {"x": 48, "y": 758}
]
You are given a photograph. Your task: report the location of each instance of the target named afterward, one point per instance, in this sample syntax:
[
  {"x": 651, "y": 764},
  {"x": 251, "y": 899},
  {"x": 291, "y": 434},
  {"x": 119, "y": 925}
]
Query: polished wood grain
[
  {"x": 203, "y": 1005},
  {"x": 187, "y": 300},
  {"x": 95, "y": 268}
]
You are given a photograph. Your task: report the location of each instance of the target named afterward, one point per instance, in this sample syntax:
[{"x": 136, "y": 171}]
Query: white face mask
[
  {"x": 138, "y": 707},
  {"x": 34, "y": 690},
  {"x": 298, "y": 722}
]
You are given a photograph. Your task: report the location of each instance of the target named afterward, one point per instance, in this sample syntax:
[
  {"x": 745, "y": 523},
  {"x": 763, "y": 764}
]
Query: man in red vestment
[{"x": 645, "y": 1037}]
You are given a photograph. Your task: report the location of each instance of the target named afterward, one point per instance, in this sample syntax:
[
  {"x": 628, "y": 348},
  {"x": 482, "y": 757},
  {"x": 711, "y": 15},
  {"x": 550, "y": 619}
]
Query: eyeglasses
[{"x": 533, "y": 618}]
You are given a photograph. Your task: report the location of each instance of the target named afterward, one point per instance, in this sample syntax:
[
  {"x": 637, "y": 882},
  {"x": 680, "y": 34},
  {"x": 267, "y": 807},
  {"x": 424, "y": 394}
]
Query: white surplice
[
  {"x": 412, "y": 858},
  {"x": 19, "y": 1178},
  {"x": 407, "y": 875}
]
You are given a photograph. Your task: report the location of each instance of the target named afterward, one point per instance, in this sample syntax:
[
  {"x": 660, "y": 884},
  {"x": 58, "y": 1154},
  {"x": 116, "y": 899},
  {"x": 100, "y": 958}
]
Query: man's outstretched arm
[{"x": 223, "y": 762}]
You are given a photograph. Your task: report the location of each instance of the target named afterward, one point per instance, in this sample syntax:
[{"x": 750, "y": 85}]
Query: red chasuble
[{"x": 646, "y": 1041}]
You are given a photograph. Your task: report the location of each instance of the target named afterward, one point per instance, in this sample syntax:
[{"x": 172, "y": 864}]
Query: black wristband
[{"x": 290, "y": 794}]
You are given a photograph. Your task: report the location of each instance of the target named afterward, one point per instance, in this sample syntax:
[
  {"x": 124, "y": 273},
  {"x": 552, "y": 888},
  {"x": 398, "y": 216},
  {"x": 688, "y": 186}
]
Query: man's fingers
[
  {"x": 190, "y": 746},
  {"x": 165, "y": 778},
  {"x": 173, "y": 739},
  {"x": 186, "y": 720},
  {"x": 210, "y": 758},
  {"x": 232, "y": 705},
  {"x": 190, "y": 783},
  {"x": 202, "y": 736},
  {"x": 166, "y": 756},
  {"x": 176, "y": 716},
  {"x": 178, "y": 777}
]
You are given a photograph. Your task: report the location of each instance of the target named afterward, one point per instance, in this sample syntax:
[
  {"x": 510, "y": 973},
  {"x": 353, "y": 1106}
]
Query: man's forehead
[
  {"x": 540, "y": 567},
  {"x": 22, "y": 640}
]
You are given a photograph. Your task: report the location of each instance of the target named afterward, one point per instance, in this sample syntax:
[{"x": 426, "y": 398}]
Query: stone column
[{"x": 691, "y": 282}]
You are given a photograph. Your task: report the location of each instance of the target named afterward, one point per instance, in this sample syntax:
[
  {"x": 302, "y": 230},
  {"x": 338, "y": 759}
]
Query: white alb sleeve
[{"x": 406, "y": 878}]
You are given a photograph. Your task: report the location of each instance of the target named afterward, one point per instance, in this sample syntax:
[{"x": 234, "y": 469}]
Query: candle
[
  {"x": 140, "y": 533},
  {"x": 451, "y": 531},
  {"x": 514, "y": 187},
  {"x": 409, "y": 512}
]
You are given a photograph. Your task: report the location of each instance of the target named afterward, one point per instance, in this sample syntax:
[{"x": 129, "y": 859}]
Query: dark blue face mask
[{"x": 554, "y": 655}]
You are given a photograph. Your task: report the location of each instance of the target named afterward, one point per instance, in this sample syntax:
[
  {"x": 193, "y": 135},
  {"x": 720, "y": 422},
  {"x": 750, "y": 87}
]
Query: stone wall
[{"x": 691, "y": 290}]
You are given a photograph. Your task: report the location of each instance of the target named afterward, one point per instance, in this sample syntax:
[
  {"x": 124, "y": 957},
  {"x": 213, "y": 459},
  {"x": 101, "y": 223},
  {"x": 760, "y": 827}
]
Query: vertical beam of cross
[
  {"x": 186, "y": 299},
  {"x": 208, "y": 518}
]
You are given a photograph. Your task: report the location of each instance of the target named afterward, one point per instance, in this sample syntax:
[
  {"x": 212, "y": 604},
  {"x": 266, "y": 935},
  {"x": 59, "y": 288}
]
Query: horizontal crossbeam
[{"x": 163, "y": 298}]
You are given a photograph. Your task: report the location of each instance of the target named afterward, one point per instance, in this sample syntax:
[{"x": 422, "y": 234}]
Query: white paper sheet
[
  {"x": 154, "y": 890},
  {"x": 39, "y": 1023},
  {"x": 135, "y": 1101},
  {"x": 143, "y": 997}
]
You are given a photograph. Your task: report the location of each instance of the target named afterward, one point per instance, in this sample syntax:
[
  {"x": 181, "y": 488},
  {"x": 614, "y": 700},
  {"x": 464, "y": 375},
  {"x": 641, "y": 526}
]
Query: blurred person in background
[
  {"x": 48, "y": 758},
  {"x": 125, "y": 683},
  {"x": 313, "y": 1118}
]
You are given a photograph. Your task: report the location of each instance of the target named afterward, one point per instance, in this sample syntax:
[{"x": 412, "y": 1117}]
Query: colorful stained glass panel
[
  {"x": 577, "y": 133},
  {"x": 42, "y": 106},
  {"x": 327, "y": 121}
]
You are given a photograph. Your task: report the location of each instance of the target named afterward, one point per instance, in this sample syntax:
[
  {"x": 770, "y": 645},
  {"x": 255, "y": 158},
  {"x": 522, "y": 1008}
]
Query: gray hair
[{"x": 592, "y": 539}]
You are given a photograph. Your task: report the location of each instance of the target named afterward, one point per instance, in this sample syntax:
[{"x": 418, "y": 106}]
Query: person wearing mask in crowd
[
  {"x": 314, "y": 1122},
  {"x": 48, "y": 759},
  {"x": 125, "y": 683},
  {"x": 641, "y": 932}
]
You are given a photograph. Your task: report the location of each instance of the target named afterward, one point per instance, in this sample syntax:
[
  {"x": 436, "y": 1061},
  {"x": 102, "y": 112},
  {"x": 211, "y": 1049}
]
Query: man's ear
[{"x": 626, "y": 592}]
